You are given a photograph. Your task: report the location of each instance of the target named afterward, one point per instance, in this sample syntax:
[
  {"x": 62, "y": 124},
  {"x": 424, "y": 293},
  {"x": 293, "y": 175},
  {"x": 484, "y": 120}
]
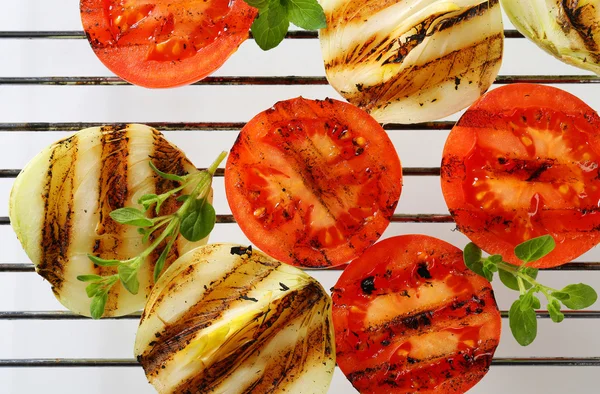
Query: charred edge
[
  {"x": 241, "y": 250},
  {"x": 580, "y": 18},
  {"x": 471, "y": 13},
  {"x": 57, "y": 227},
  {"x": 167, "y": 158},
  {"x": 113, "y": 191},
  {"x": 288, "y": 308},
  {"x": 218, "y": 298}
]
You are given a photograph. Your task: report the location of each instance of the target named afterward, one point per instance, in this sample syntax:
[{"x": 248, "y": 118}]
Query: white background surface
[{"x": 114, "y": 339}]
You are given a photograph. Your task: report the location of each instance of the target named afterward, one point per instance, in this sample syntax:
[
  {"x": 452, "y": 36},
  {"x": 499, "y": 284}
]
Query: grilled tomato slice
[
  {"x": 313, "y": 183},
  {"x": 160, "y": 43},
  {"x": 523, "y": 162},
  {"x": 409, "y": 317}
]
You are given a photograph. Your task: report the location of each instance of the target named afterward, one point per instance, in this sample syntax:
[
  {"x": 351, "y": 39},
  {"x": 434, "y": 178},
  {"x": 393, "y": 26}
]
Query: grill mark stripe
[
  {"x": 209, "y": 308},
  {"x": 359, "y": 53},
  {"x": 167, "y": 159},
  {"x": 295, "y": 303},
  {"x": 57, "y": 225},
  {"x": 384, "y": 92},
  {"x": 573, "y": 14},
  {"x": 112, "y": 194},
  {"x": 404, "y": 322}
]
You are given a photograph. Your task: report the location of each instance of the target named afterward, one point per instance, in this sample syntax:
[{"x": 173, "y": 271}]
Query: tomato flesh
[
  {"x": 410, "y": 317},
  {"x": 313, "y": 183},
  {"x": 182, "y": 40},
  {"x": 524, "y": 173}
]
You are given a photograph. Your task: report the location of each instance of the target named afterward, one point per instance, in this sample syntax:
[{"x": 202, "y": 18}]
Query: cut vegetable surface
[
  {"x": 412, "y": 61},
  {"x": 410, "y": 317},
  {"x": 60, "y": 208},
  {"x": 160, "y": 43},
  {"x": 521, "y": 163},
  {"x": 313, "y": 183},
  {"x": 568, "y": 30},
  {"x": 227, "y": 319}
]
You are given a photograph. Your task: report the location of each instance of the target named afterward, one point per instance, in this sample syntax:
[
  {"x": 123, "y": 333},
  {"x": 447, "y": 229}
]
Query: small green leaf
[
  {"x": 487, "y": 274},
  {"x": 490, "y": 264},
  {"x": 554, "y": 310},
  {"x": 89, "y": 278},
  {"x": 147, "y": 200},
  {"x": 580, "y": 296},
  {"x": 510, "y": 280},
  {"x": 198, "y": 221},
  {"x": 183, "y": 197},
  {"x": 559, "y": 295},
  {"x": 128, "y": 276},
  {"x": 160, "y": 263},
  {"x": 93, "y": 289},
  {"x": 472, "y": 259},
  {"x": 103, "y": 262},
  {"x": 171, "y": 177},
  {"x": 535, "y": 248},
  {"x": 98, "y": 304},
  {"x": 130, "y": 216},
  {"x": 270, "y": 27},
  {"x": 523, "y": 324},
  {"x": 536, "y": 303},
  {"x": 307, "y": 14},
  {"x": 526, "y": 301},
  {"x": 260, "y": 4}
]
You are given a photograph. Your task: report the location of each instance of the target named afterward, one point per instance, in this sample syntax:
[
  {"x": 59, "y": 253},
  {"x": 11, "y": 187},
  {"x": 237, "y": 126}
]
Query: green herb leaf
[
  {"x": 510, "y": 280},
  {"x": 270, "y": 27},
  {"x": 183, "y": 197},
  {"x": 526, "y": 301},
  {"x": 580, "y": 296},
  {"x": 103, "y": 262},
  {"x": 171, "y": 177},
  {"x": 128, "y": 276},
  {"x": 554, "y": 310},
  {"x": 472, "y": 259},
  {"x": 89, "y": 278},
  {"x": 260, "y": 4},
  {"x": 98, "y": 304},
  {"x": 93, "y": 289},
  {"x": 536, "y": 303},
  {"x": 198, "y": 221},
  {"x": 523, "y": 324},
  {"x": 147, "y": 200},
  {"x": 535, "y": 248},
  {"x": 160, "y": 263},
  {"x": 307, "y": 14},
  {"x": 131, "y": 216}
]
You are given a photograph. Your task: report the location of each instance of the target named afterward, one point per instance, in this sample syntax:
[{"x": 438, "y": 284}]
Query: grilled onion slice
[
  {"x": 410, "y": 61},
  {"x": 226, "y": 319},
  {"x": 568, "y": 30},
  {"x": 60, "y": 205}
]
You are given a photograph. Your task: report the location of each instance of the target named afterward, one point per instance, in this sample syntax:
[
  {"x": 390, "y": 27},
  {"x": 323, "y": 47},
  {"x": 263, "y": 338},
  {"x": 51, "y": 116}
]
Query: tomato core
[{"x": 176, "y": 30}]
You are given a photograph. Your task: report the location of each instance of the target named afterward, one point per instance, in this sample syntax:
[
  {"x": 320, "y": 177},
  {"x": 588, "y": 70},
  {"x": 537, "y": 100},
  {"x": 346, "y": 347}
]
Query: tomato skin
[
  {"x": 410, "y": 317},
  {"x": 137, "y": 64},
  {"x": 313, "y": 183},
  {"x": 540, "y": 147}
]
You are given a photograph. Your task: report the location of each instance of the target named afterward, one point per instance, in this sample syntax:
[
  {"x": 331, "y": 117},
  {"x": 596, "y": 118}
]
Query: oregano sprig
[
  {"x": 522, "y": 317},
  {"x": 194, "y": 220},
  {"x": 274, "y": 17}
]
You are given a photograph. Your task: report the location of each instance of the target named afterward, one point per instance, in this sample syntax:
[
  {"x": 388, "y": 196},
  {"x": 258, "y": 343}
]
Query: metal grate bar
[
  {"x": 400, "y": 218},
  {"x": 121, "y": 362},
  {"x": 189, "y": 126},
  {"x": 77, "y": 34},
  {"x": 408, "y": 171},
  {"x": 26, "y": 267},
  {"x": 271, "y": 81},
  {"x": 66, "y": 315}
]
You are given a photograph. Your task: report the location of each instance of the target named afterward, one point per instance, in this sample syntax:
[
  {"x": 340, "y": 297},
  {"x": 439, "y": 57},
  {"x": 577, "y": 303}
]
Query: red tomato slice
[
  {"x": 165, "y": 43},
  {"x": 313, "y": 183},
  {"x": 523, "y": 162},
  {"x": 409, "y": 317}
]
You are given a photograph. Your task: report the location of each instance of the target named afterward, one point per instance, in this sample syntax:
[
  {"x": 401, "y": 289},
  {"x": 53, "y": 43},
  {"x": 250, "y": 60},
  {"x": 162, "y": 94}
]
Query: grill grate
[{"x": 26, "y": 268}]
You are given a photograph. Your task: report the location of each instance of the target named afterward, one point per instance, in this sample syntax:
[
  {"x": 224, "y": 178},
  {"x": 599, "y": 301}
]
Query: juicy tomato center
[
  {"x": 319, "y": 179},
  {"x": 176, "y": 29},
  {"x": 543, "y": 165}
]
